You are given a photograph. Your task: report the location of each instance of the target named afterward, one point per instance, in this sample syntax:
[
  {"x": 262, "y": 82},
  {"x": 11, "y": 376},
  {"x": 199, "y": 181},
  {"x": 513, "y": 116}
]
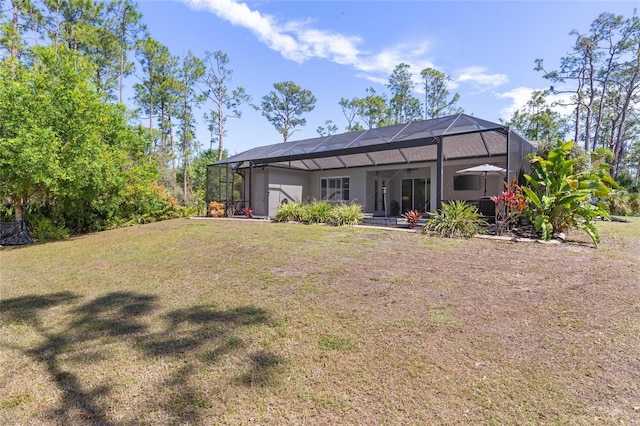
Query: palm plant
[
  {"x": 456, "y": 219},
  {"x": 560, "y": 199}
]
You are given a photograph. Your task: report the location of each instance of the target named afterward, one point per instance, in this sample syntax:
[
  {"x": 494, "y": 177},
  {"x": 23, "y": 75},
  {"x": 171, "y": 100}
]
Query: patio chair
[{"x": 487, "y": 209}]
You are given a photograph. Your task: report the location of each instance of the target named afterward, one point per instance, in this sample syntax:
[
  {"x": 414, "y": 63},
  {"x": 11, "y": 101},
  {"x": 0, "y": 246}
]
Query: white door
[{"x": 259, "y": 202}]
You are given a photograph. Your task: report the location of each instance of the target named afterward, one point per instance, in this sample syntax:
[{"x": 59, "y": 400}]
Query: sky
[{"x": 338, "y": 49}]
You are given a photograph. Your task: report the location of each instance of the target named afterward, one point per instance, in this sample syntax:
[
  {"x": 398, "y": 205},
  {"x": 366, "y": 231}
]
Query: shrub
[
  {"x": 511, "y": 205},
  {"x": 634, "y": 203},
  {"x": 317, "y": 212},
  {"x": 619, "y": 203},
  {"x": 290, "y": 211},
  {"x": 346, "y": 214},
  {"x": 456, "y": 219},
  {"x": 247, "y": 212},
  {"x": 560, "y": 199},
  {"x": 216, "y": 209},
  {"x": 43, "y": 229},
  {"x": 413, "y": 217}
]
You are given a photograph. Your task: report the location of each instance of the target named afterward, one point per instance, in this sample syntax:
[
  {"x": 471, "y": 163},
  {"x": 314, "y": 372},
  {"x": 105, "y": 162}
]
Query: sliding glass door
[{"x": 415, "y": 194}]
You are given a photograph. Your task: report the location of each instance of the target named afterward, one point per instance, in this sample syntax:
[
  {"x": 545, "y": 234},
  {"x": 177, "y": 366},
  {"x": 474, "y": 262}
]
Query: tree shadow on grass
[
  {"x": 199, "y": 331},
  {"x": 116, "y": 315},
  {"x": 189, "y": 329}
]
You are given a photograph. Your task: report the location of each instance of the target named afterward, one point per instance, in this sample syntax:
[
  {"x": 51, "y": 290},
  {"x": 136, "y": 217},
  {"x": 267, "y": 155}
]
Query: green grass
[{"x": 241, "y": 322}]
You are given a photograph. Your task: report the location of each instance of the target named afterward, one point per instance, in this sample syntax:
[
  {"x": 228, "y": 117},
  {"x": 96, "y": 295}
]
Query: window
[
  {"x": 466, "y": 183},
  {"x": 334, "y": 189}
]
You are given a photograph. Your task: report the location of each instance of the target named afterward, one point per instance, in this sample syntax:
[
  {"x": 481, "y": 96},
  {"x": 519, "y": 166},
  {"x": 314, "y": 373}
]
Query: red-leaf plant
[
  {"x": 510, "y": 206},
  {"x": 247, "y": 212},
  {"x": 413, "y": 217}
]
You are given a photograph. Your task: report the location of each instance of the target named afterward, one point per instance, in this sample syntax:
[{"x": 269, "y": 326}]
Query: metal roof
[{"x": 463, "y": 136}]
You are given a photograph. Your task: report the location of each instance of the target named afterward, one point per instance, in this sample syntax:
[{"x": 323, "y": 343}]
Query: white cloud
[
  {"x": 291, "y": 39},
  {"x": 479, "y": 78},
  {"x": 297, "y": 41},
  {"x": 521, "y": 95}
]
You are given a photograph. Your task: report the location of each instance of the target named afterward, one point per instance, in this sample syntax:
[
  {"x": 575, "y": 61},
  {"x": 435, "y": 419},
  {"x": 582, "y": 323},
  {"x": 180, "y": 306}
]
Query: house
[{"x": 387, "y": 170}]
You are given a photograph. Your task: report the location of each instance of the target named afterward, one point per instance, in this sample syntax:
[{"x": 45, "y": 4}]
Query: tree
[
  {"x": 350, "y": 111},
  {"x": 536, "y": 121},
  {"x": 604, "y": 68},
  {"x": 403, "y": 106},
  {"x": 63, "y": 149},
  {"x": 123, "y": 21},
  {"x": 156, "y": 93},
  {"x": 372, "y": 109},
  {"x": 285, "y": 105},
  {"x": 225, "y": 105},
  {"x": 191, "y": 70},
  {"x": 436, "y": 94},
  {"x": 331, "y": 129},
  {"x": 24, "y": 16}
]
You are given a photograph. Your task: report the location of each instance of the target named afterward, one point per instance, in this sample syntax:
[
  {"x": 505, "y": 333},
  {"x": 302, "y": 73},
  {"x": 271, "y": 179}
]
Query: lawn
[{"x": 243, "y": 322}]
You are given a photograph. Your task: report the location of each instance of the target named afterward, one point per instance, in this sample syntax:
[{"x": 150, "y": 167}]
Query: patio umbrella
[{"x": 483, "y": 170}]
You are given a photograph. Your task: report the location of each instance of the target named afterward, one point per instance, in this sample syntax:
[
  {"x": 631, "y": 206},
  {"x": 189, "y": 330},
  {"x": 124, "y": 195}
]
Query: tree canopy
[{"x": 285, "y": 105}]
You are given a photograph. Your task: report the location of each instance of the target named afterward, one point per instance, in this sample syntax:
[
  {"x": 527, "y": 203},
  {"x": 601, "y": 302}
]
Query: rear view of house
[{"x": 387, "y": 170}]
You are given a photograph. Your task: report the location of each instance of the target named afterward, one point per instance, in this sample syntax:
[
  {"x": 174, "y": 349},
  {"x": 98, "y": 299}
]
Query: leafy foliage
[
  {"x": 290, "y": 212},
  {"x": 623, "y": 203},
  {"x": 560, "y": 200},
  {"x": 317, "y": 212},
  {"x": 320, "y": 212},
  {"x": 247, "y": 212},
  {"x": 216, "y": 209},
  {"x": 436, "y": 98},
  {"x": 403, "y": 106},
  {"x": 69, "y": 156},
  {"x": 456, "y": 219},
  {"x": 284, "y": 106},
  {"x": 413, "y": 217},
  {"x": 511, "y": 205},
  {"x": 346, "y": 214}
]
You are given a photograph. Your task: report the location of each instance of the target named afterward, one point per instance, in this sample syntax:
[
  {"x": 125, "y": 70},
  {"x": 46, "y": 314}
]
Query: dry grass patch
[{"x": 240, "y": 322}]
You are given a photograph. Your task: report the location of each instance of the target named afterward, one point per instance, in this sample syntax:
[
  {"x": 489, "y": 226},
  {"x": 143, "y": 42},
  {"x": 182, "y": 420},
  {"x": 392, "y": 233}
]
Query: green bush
[
  {"x": 623, "y": 203},
  {"x": 290, "y": 212},
  {"x": 456, "y": 219},
  {"x": 43, "y": 229},
  {"x": 561, "y": 199},
  {"x": 618, "y": 202},
  {"x": 634, "y": 203},
  {"x": 346, "y": 214},
  {"x": 317, "y": 212}
]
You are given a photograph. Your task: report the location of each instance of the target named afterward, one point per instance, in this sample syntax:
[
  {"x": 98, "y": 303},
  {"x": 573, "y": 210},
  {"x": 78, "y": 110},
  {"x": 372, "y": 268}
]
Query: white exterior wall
[
  {"x": 284, "y": 184},
  {"x": 272, "y": 185},
  {"x": 494, "y": 182},
  {"x": 357, "y": 183}
]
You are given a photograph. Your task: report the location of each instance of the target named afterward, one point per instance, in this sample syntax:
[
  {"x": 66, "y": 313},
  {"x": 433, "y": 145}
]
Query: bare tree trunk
[
  {"x": 171, "y": 140},
  {"x": 17, "y": 206},
  {"x": 220, "y": 125}
]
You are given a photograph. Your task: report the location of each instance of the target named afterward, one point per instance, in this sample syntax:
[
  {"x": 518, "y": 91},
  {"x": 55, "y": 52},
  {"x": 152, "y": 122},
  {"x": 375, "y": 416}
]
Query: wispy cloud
[
  {"x": 521, "y": 95},
  {"x": 479, "y": 78},
  {"x": 298, "y": 41},
  {"x": 293, "y": 40}
]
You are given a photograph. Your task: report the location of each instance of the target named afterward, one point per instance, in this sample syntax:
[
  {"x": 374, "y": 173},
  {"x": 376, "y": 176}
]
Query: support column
[
  {"x": 250, "y": 184},
  {"x": 440, "y": 173}
]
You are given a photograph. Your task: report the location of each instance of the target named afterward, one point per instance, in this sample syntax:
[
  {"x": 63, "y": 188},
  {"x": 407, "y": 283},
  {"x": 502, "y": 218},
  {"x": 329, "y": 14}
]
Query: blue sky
[{"x": 340, "y": 48}]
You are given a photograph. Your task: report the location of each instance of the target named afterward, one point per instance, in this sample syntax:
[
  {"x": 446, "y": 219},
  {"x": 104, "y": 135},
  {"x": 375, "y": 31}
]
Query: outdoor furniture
[{"x": 487, "y": 209}]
